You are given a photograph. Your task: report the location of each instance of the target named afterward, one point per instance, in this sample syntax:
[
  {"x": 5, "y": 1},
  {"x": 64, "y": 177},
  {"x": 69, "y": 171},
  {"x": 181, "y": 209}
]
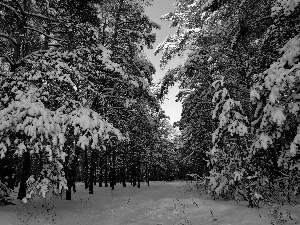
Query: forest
[{"x": 78, "y": 102}]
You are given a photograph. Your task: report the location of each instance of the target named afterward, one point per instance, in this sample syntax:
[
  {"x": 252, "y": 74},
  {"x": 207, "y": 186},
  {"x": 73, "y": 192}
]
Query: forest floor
[{"x": 161, "y": 203}]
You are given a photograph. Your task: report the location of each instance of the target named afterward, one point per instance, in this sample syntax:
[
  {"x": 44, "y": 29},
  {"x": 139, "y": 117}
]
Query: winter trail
[{"x": 159, "y": 204}]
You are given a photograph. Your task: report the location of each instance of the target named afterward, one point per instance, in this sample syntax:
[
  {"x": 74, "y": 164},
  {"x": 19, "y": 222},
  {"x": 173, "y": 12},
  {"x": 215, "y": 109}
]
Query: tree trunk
[
  {"x": 113, "y": 170},
  {"x": 92, "y": 173},
  {"x": 133, "y": 174},
  {"x": 147, "y": 174},
  {"x": 24, "y": 175},
  {"x": 139, "y": 177},
  {"x": 112, "y": 177},
  {"x": 105, "y": 171},
  {"x": 95, "y": 175},
  {"x": 75, "y": 167},
  {"x": 68, "y": 172},
  {"x": 86, "y": 169},
  {"x": 69, "y": 190},
  {"x": 123, "y": 176},
  {"x": 100, "y": 172},
  {"x": 95, "y": 167},
  {"x": 127, "y": 172},
  {"x": 159, "y": 174},
  {"x": 68, "y": 176}
]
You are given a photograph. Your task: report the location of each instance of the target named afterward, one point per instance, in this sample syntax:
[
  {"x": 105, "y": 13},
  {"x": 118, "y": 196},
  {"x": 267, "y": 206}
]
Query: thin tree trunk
[
  {"x": 138, "y": 176},
  {"x": 68, "y": 175},
  {"x": 127, "y": 171},
  {"x": 17, "y": 173},
  {"x": 158, "y": 174},
  {"x": 24, "y": 175},
  {"x": 133, "y": 175},
  {"x": 68, "y": 172},
  {"x": 147, "y": 174},
  {"x": 111, "y": 177},
  {"x": 95, "y": 167},
  {"x": 123, "y": 176},
  {"x": 138, "y": 168},
  {"x": 105, "y": 171},
  {"x": 86, "y": 169},
  {"x": 123, "y": 169},
  {"x": 92, "y": 173},
  {"x": 75, "y": 167},
  {"x": 114, "y": 180},
  {"x": 100, "y": 172}
]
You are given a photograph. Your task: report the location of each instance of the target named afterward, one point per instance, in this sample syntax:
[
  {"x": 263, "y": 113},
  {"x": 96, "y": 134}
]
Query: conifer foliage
[
  {"x": 75, "y": 87},
  {"x": 242, "y": 67}
]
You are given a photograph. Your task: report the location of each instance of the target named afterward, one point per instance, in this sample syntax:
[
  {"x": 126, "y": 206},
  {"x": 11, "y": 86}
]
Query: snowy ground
[{"x": 159, "y": 204}]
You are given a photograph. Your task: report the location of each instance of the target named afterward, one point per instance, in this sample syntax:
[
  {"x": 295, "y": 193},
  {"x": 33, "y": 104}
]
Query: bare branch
[
  {"x": 9, "y": 37},
  {"x": 31, "y": 54},
  {"x": 19, "y": 5},
  {"x": 27, "y": 13},
  {"x": 8, "y": 59},
  {"x": 41, "y": 16},
  {"x": 12, "y": 64},
  {"x": 41, "y": 32},
  {"x": 12, "y": 9}
]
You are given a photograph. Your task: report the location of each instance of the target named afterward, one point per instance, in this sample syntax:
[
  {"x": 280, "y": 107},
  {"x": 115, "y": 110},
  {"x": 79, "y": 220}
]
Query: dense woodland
[
  {"x": 77, "y": 101},
  {"x": 240, "y": 94}
]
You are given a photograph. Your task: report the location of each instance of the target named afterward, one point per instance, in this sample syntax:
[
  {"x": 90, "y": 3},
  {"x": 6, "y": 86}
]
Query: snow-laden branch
[
  {"x": 184, "y": 159},
  {"x": 8, "y": 59},
  {"x": 9, "y": 37},
  {"x": 32, "y": 54},
  {"x": 41, "y": 32}
]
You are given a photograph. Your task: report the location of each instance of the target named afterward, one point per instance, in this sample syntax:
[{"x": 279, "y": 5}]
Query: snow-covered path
[{"x": 159, "y": 204}]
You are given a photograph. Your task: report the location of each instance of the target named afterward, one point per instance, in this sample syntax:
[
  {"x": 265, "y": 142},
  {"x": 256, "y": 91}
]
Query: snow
[
  {"x": 284, "y": 6},
  {"x": 265, "y": 140},
  {"x": 214, "y": 84},
  {"x": 278, "y": 116},
  {"x": 254, "y": 94},
  {"x": 161, "y": 203},
  {"x": 207, "y": 4},
  {"x": 294, "y": 145}
]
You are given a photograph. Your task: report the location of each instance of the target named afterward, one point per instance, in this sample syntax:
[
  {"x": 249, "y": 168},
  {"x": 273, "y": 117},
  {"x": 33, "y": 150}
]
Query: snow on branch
[
  {"x": 41, "y": 32},
  {"x": 8, "y": 59},
  {"x": 279, "y": 86},
  {"x": 285, "y": 7},
  {"x": 32, "y": 54},
  {"x": 14, "y": 41}
]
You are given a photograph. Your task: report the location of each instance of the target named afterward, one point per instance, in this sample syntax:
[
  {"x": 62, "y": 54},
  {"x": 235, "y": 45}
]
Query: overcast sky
[{"x": 159, "y": 8}]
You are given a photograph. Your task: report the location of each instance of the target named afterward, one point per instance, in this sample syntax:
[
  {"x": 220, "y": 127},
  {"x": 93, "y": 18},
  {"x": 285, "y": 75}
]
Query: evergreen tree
[{"x": 238, "y": 49}]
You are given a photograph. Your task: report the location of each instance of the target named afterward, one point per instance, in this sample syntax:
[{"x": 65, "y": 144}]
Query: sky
[{"x": 160, "y": 7}]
